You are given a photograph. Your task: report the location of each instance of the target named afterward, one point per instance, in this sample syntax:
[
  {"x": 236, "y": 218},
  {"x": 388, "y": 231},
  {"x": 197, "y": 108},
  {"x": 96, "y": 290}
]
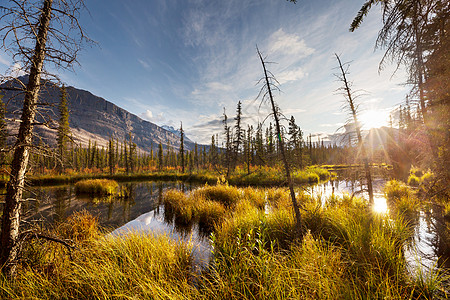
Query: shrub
[
  {"x": 413, "y": 180},
  {"x": 394, "y": 190}
]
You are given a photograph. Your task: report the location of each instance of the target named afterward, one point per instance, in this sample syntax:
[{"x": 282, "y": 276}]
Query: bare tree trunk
[
  {"x": 283, "y": 154},
  {"x": 11, "y": 212},
  {"x": 347, "y": 91}
]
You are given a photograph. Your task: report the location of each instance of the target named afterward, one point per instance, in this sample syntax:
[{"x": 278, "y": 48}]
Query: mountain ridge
[{"x": 91, "y": 118}]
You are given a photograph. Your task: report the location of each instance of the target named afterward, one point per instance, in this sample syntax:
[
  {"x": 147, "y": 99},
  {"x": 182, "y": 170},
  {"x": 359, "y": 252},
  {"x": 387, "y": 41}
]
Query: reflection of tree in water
[
  {"x": 60, "y": 204},
  {"x": 160, "y": 196},
  {"x": 441, "y": 240}
]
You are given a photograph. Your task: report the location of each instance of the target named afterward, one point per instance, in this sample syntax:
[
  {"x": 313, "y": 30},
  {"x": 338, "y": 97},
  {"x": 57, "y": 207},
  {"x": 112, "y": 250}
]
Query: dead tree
[
  {"x": 36, "y": 34},
  {"x": 266, "y": 94},
  {"x": 353, "y": 110}
]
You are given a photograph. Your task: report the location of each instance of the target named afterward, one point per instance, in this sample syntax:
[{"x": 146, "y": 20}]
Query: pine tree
[
  {"x": 227, "y": 143},
  {"x": 260, "y": 154},
  {"x": 126, "y": 159},
  {"x": 182, "y": 147},
  {"x": 212, "y": 150},
  {"x": 160, "y": 157},
  {"x": 112, "y": 159},
  {"x": 196, "y": 156},
  {"x": 295, "y": 142},
  {"x": 239, "y": 134},
  {"x": 63, "y": 128},
  {"x": 3, "y": 132}
]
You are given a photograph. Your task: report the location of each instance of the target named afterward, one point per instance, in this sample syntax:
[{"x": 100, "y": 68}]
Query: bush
[{"x": 394, "y": 190}]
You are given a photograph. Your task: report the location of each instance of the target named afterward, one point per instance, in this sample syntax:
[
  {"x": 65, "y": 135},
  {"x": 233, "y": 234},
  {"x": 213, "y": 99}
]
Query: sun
[{"x": 374, "y": 119}]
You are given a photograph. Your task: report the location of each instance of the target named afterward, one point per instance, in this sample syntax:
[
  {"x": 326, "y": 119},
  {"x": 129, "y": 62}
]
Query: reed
[
  {"x": 96, "y": 187},
  {"x": 347, "y": 253}
]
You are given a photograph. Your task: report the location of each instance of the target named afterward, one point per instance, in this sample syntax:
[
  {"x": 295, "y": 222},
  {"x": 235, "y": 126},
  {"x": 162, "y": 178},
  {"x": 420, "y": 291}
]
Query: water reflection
[
  {"x": 139, "y": 207},
  {"x": 135, "y": 198},
  {"x": 424, "y": 250},
  {"x": 351, "y": 187}
]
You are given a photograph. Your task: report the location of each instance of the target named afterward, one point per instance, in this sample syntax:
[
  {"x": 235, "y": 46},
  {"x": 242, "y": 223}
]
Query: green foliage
[{"x": 63, "y": 127}]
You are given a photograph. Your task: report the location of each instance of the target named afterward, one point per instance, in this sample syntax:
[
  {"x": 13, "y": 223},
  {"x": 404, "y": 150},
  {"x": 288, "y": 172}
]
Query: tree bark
[
  {"x": 11, "y": 212},
  {"x": 358, "y": 131},
  {"x": 295, "y": 205}
]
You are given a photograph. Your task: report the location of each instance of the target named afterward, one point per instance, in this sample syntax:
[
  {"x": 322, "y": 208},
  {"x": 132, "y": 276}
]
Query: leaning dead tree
[
  {"x": 352, "y": 107},
  {"x": 38, "y": 34},
  {"x": 269, "y": 83}
]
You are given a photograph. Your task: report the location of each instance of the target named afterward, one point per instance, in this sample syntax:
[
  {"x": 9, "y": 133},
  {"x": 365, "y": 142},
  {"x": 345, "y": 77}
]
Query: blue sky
[{"x": 185, "y": 60}]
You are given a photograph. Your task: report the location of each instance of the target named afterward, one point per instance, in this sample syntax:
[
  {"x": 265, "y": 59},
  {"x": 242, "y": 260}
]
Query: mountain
[
  {"x": 176, "y": 132},
  {"x": 374, "y": 138},
  {"x": 92, "y": 118}
]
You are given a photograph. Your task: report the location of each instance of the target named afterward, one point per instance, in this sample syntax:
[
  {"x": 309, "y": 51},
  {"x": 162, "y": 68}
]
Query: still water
[{"x": 143, "y": 210}]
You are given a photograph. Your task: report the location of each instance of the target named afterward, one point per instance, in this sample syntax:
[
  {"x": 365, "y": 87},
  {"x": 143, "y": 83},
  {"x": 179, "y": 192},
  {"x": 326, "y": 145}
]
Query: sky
[{"x": 172, "y": 61}]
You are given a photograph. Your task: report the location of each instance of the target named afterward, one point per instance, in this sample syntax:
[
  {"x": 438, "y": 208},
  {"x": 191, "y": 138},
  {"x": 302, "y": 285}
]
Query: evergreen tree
[
  {"x": 239, "y": 134},
  {"x": 212, "y": 150},
  {"x": 160, "y": 157},
  {"x": 63, "y": 128},
  {"x": 196, "y": 159},
  {"x": 126, "y": 160},
  {"x": 295, "y": 142},
  {"x": 112, "y": 160},
  {"x": 228, "y": 145},
  {"x": 182, "y": 147},
  {"x": 3, "y": 132}
]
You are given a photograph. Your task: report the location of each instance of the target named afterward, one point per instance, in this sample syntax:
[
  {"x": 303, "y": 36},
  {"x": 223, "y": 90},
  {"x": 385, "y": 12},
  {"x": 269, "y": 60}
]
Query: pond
[
  {"x": 422, "y": 251},
  {"x": 143, "y": 210}
]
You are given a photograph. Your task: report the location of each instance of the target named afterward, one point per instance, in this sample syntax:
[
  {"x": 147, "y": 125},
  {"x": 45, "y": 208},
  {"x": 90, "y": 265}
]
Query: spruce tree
[
  {"x": 3, "y": 132},
  {"x": 239, "y": 134},
  {"x": 182, "y": 147},
  {"x": 112, "y": 159},
  {"x": 160, "y": 157},
  {"x": 227, "y": 143},
  {"x": 63, "y": 128}
]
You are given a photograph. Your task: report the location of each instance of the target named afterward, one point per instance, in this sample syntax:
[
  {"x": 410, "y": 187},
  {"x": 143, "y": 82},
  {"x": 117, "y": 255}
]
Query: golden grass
[
  {"x": 347, "y": 253},
  {"x": 96, "y": 187}
]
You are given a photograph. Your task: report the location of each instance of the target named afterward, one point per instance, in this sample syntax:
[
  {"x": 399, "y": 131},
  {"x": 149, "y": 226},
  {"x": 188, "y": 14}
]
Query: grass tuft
[{"x": 96, "y": 187}]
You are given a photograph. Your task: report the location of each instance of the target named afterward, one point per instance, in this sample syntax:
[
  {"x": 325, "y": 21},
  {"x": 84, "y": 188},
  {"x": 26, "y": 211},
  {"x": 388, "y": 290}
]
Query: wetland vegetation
[{"x": 245, "y": 219}]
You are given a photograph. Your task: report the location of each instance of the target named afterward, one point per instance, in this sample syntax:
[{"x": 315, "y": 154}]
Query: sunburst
[{"x": 374, "y": 118}]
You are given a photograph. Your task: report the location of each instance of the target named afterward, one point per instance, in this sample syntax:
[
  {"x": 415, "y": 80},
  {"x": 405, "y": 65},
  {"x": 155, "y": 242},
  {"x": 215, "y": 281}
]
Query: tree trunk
[
  {"x": 11, "y": 211},
  {"x": 358, "y": 131},
  {"x": 283, "y": 154}
]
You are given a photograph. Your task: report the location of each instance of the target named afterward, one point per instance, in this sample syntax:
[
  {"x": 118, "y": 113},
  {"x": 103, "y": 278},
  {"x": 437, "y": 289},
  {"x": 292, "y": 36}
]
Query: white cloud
[
  {"x": 218, "y": 86},
  {"x": 292, "y": 75},
  {"x": 293, "y": 110},
  {"x": 148, "y": 115},
  {"x": 16, "y": 70},
  {"x": 145, "y": 64},
  {"x": 289, "y": 44},
  {"x": 4, "y": 60},
  {"x": 332, "y": 125}
]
